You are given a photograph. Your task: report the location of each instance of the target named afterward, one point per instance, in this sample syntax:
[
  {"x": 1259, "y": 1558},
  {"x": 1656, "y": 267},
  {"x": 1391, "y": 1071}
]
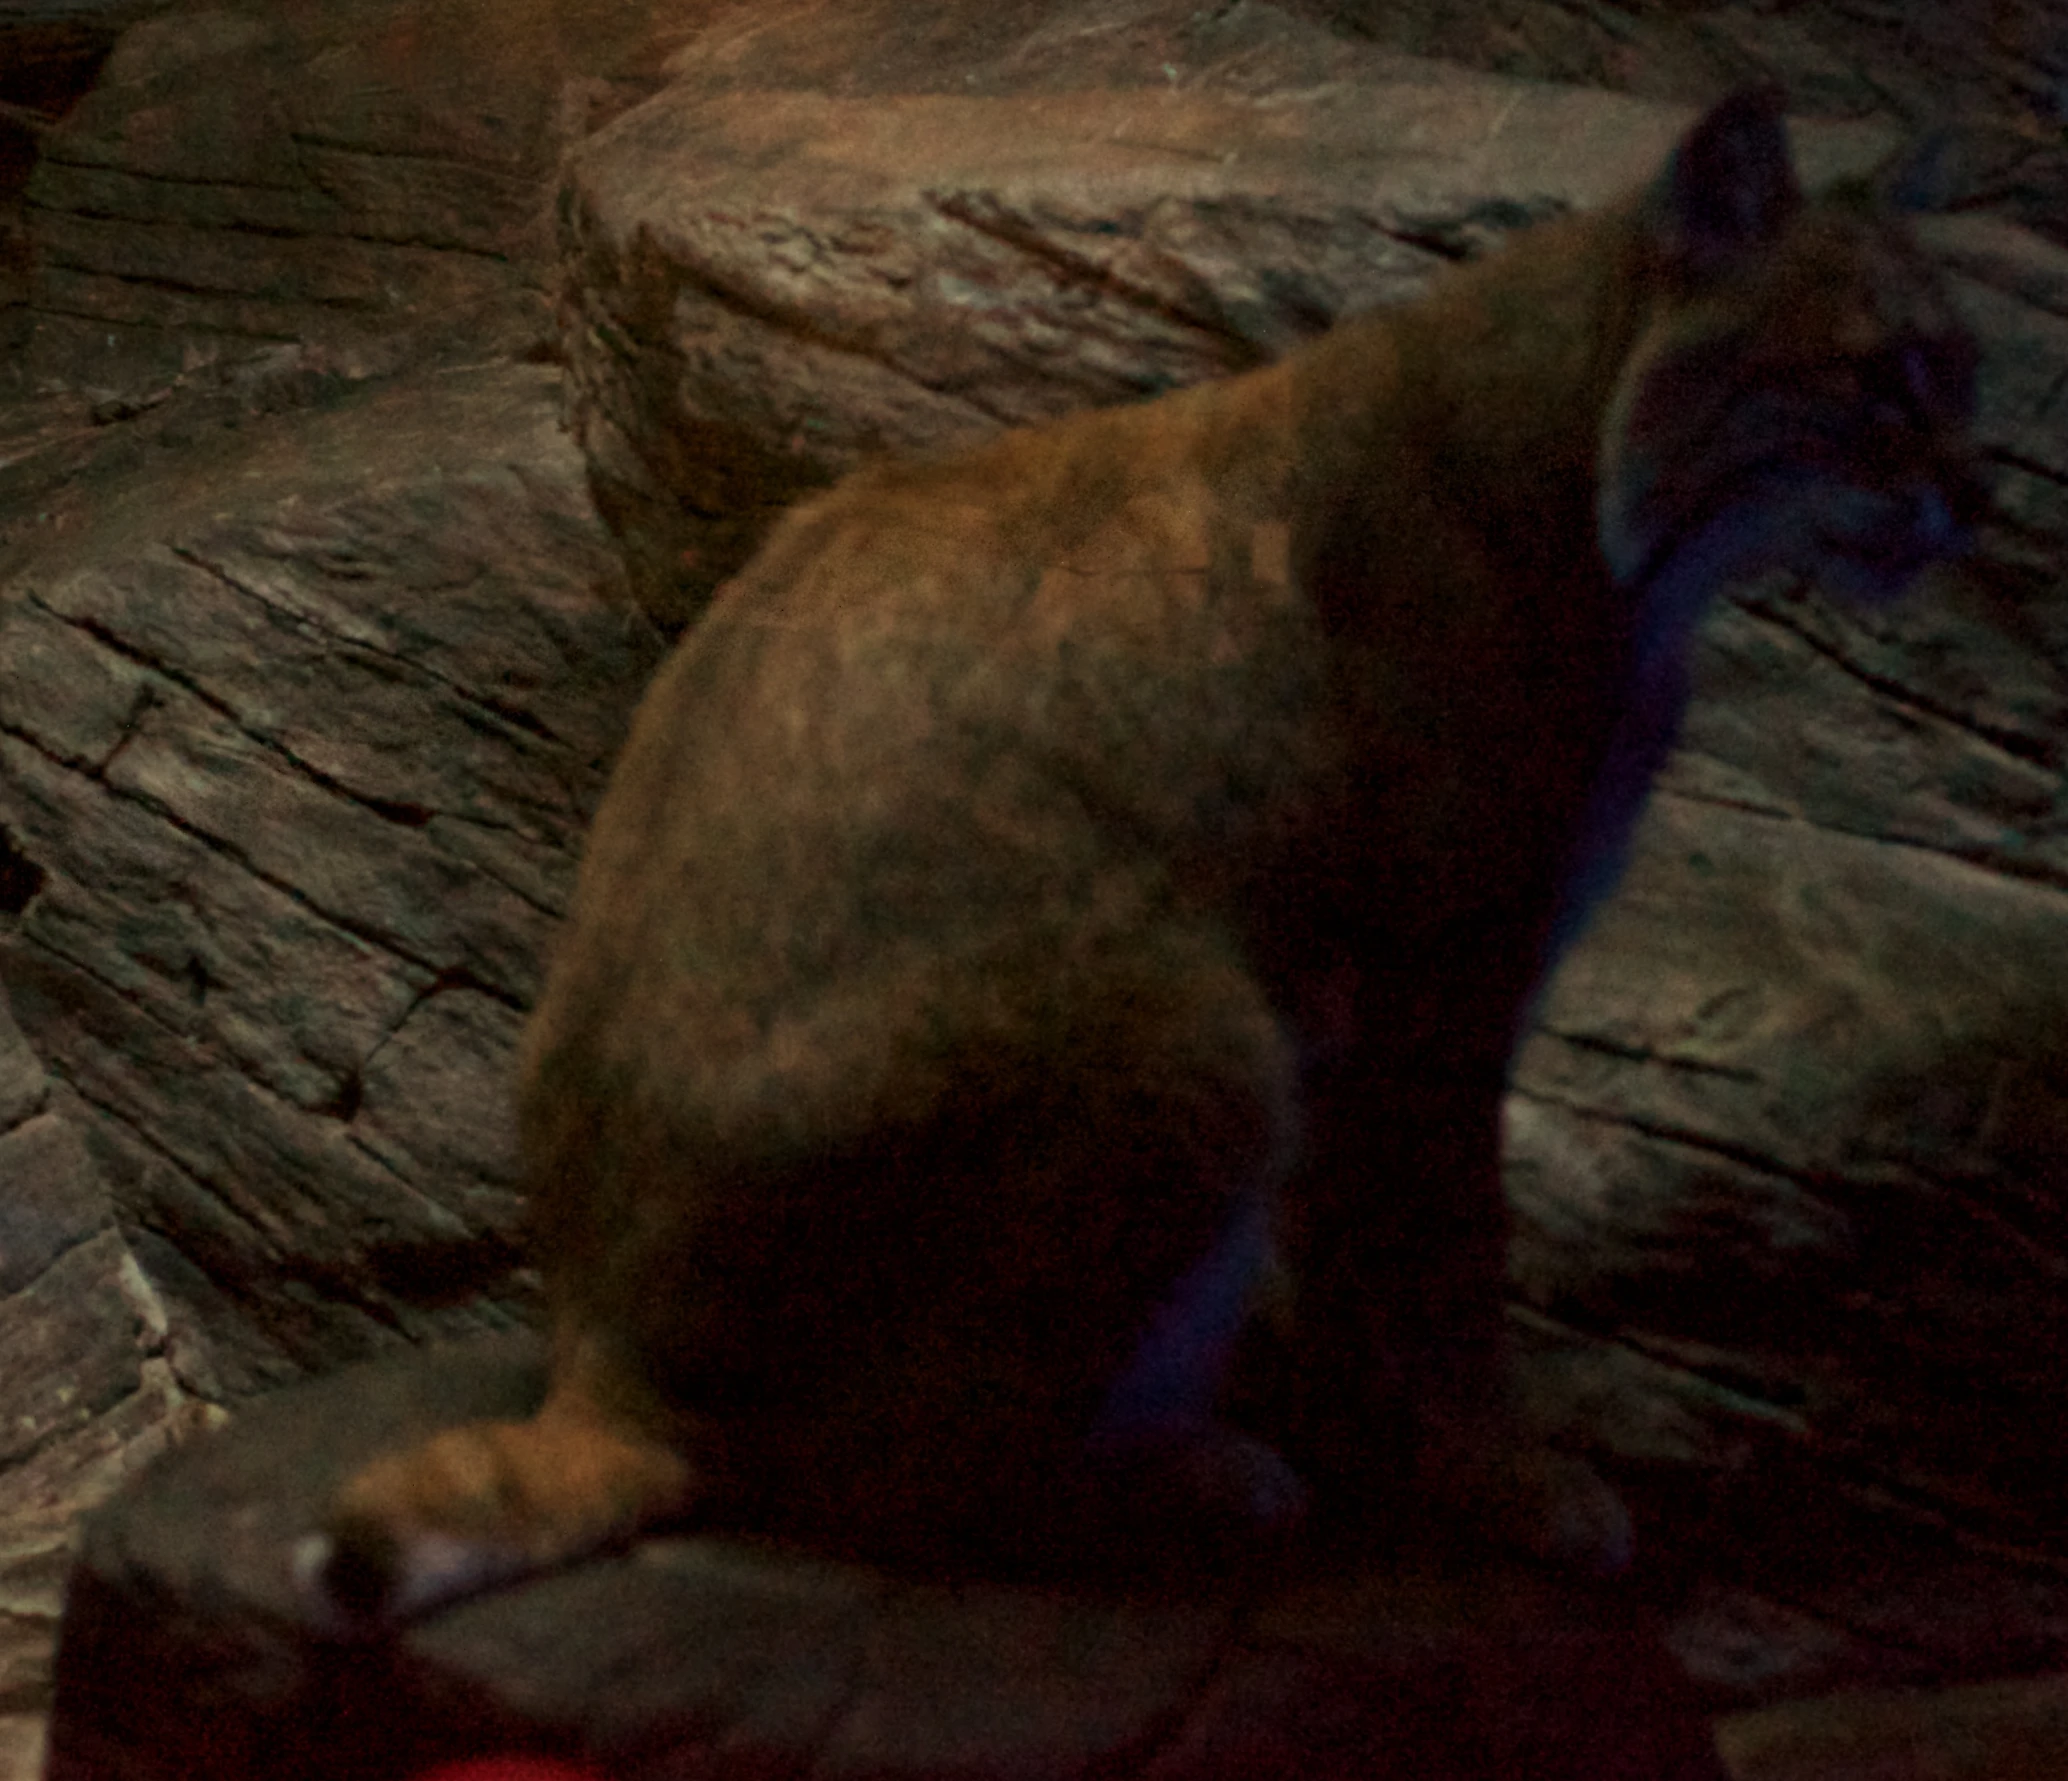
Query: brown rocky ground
[
  {"x": 722, "y": 1656},
  {"x": 313, "y": 649}
]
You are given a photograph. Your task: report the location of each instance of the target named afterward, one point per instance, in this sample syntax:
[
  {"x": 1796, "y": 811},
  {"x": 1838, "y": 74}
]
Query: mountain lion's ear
[{"x": 1729, "y": 187}]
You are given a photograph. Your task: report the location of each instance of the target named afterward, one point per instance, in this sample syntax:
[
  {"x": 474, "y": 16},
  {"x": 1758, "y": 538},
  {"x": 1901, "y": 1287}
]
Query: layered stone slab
[{"x": 720, "y": 1656}]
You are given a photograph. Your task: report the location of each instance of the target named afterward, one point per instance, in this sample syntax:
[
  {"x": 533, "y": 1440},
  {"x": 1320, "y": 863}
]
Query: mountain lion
[{"x": 1065, "y": 884}]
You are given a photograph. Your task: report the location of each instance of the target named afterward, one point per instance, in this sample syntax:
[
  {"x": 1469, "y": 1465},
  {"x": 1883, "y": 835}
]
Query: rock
[
  {"x": 885, "y": 230},
  {"x": 1997, "y": 67},
  {"x": 300, "y": 739},
  {"x": 769, "y": 286},
  {"x": 1986, "y": 1730},
  {"x": 177, "y": 205},
  {"x": 363, "y": 185},
  {"x": 1769, "y": 1148},
  {"x": 88, "y": 1395},
  {"x": 729, "y": 1658},
  {"x": 1818, "y": 1038},
  {"x": 47, "y": 59}
]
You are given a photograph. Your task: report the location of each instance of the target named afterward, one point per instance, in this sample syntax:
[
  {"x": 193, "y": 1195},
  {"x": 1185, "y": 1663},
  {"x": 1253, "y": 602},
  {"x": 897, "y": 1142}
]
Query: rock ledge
[{"x": 721, "y": 1657}]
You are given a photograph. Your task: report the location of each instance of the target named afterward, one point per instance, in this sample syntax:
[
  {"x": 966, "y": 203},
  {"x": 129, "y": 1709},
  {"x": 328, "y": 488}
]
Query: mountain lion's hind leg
[
  {"x": 486, "y": 1501},
  {"x": 1399, "y": 1253}
]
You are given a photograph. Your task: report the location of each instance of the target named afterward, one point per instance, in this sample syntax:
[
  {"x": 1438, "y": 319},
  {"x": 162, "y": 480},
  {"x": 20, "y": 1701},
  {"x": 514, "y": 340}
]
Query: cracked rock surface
[
  {"x": 364, "y": 179},
  {"x": 300, "y": 740},
  {"x": 89, "y": 1393}
]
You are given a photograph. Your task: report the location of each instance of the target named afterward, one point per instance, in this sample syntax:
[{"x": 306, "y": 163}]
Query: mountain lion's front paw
[
  {"x": 478, "y": 1505},
  {"x": 415, "y": 1529}
]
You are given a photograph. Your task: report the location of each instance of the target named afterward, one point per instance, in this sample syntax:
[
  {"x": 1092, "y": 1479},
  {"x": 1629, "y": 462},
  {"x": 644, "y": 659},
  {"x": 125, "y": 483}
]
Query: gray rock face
[
  {"x": 88, "y": 1396},
  {"x": 1992, "y": 66},
  {"x": 300, "y": 741},
  {"x": 246, "y": 178},
  {"x": 768, "y": 286}
]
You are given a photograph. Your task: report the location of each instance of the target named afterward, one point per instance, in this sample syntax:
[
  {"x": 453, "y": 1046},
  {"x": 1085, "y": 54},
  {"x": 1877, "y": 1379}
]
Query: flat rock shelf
[{"x": 185, "y": 1652}]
